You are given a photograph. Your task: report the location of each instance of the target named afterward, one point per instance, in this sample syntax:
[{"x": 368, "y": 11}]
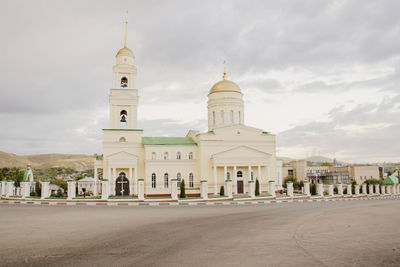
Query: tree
[
  {"x": 313, "y": 189},
  {"x": 222, "y": 191},
  {"x": 183, "y": 193},
  {"x": 61, "y": 183},
  {"x": 257, "y": 187},
  {"x": 59, "y": 193}
]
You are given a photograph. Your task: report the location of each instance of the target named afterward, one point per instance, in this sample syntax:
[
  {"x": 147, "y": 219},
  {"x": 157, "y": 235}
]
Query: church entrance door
[
  {"x": 240, "y": 187},
  {"x": 122, "y": 185}
]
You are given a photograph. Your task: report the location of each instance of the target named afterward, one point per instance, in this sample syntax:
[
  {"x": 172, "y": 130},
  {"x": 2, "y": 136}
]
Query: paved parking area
[{"x": 331, "y": 233}]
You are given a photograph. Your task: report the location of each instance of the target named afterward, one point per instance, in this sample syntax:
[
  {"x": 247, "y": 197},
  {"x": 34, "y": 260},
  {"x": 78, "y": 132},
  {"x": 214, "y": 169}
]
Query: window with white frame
[
  {"x": 166, "y": 156},
  {"x": 153, "y": 180},
  {"x": 239, "y": 174},
  {"x": 231, "y": 116},
  {"x": 213, "y": 118},
  {"x": 153, "y": 155},
  {"x": 166, "y": 180},
  {"x": 178, "y": 155},
  {"x": 228, "y": 176},
  {"x": 190, "y": 155},
  {"x": 191, "y": 180},
  {"x": 252, "y": 176}
]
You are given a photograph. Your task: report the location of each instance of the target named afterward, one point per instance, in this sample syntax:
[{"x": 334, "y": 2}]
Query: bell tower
[{"x": 123, "y": 96}]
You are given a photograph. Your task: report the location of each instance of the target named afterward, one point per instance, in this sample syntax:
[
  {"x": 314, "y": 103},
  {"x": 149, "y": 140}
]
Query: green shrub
[
  {"x": 335, "y": 190},
  {"x": 257, "y": 187},
  {"x": 183, "y": 193},
  {"x": 313, "y": 189},
  {"x": 222, "y": 191},
  {"x": 59, "y": 193},
  {"x": 33, "y": 194},
  {"x": 345, "y": 191}
]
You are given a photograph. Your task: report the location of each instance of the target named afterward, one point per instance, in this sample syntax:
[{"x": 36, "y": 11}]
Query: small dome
[
  {"x": 126, "y": 51},
  {"x": 225, "y": 86}
]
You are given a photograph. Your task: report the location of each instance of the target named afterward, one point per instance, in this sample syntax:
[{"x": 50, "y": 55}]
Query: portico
[
  {"x": 241, "y": 164},
  {"x": 122, "y": 165}
]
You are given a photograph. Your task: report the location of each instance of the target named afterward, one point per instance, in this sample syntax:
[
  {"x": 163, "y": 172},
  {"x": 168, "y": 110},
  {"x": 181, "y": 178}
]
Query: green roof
[
  {"x": 25, "y": 179},
  {"x": 388, "y": 181},
  {"x": 181, "y": 141}
]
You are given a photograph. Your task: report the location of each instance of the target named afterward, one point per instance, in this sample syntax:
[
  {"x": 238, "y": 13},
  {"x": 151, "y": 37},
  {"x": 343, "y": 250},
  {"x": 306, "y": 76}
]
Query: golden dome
[
  {"x": 225, "y": 86},
  {"x": 126, "y": 51}
]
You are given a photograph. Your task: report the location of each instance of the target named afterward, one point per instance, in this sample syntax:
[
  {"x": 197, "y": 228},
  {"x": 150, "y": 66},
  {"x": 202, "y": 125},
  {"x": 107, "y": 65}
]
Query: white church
[{"x": 228, "y": 150}]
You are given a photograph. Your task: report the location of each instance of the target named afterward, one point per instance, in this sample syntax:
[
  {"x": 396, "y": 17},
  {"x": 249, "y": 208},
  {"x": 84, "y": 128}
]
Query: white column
[
  {"x": 272, "y": 188},
  {"x": 174, "y": 189},
  {"x": 135, "y": 177},
  {"x": 204, "y": 189},
  {"x": 130, "y": 182},
  {"x": 320, "y": 188},
  {"x": 45, "y": 190},
  {"x": 140, "y": 189},
  {"x": 9, "y": 188},
  {"x": 113, "y": 187},
  {"x": 357, "y": 190},
  {"x": 71, "y": 190},
  {"x": 371, "y": 189},
  {"x": 225, "y": 173},
  {"x": 307, "y": 188},
  {"x": 330, "y": 190},
  {"x": 388, "y": 190},
  {"x": 340, "y": 189},
  {"x": 96, "y": 181},
  {"x": 215, "y": 180},
  {"x": 259, "y": 177},
  {"x": 109, "y": 179},
  {"x": 349, "y": 190},
  {"x": 25, "y": 189},
  {"x": 248, "y": 178},
  {"x": 289, "y": 186},
  {"x": 235, "y": 179},
  {"x": 364, "y": 189},
  {"x": 3, "y": 187},
  {"x": 228, "y": 188},
  {"x": 252, "y": 189},
  {"x": 105, "y": 189},
  {"x": 377, "y": 189}
]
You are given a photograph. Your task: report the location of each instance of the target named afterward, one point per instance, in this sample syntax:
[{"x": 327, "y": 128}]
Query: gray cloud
[{"x": 57, "y": 58}]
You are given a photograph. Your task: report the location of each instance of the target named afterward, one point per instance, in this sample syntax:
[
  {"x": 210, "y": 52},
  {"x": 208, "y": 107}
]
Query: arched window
[
  {"x": 239, "y": 174},
  {"x": 191, "y": 180},
  {"x": 231, "y": 116},
  {"x": 190, "y": 155},
  {"x": 240, "y": 118},
  {"x": 178, "y": 155},
  {"x": 165, "y": 180},
  {"x": 123, "y": 119},
  {"x": 153, "y": 155},
  {"x": 222, "y": 116},
  {"x": 124, "y": 82},
  {"x": 166, "y": 156},
  {"x": 213, "y": 118},
  {"x": 228, "y": 176},
  {"x": 153, "y": 180},
  {"x": 252, "y": 176},
  {"x": 122, "y": 139}
]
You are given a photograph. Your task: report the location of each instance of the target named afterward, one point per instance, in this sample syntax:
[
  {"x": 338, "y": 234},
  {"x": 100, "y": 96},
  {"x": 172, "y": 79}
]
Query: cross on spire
[
  {"x": 224, "y": 76},
  {"x": 126, "y": 27}
]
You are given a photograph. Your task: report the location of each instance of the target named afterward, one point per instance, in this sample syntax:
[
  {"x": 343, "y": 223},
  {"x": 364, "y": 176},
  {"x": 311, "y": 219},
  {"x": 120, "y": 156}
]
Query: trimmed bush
[
  {"x": 222, "y": 191},
  {"x": 257, "y": 187},
  {"x": 183, "y": 193},
  {"x": 313, "y": 189}
]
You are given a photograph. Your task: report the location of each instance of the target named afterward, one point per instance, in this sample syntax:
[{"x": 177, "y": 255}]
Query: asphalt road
[{"x": 351, "y": 233}]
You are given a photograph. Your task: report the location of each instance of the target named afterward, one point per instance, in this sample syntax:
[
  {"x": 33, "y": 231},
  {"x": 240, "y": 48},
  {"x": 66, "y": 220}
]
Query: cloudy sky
[{"x": 322, "y": 75}]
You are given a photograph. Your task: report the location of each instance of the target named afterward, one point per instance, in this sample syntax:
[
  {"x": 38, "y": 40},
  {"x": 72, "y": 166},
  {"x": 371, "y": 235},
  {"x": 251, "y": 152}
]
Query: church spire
[{"x": 126, "y": 27}]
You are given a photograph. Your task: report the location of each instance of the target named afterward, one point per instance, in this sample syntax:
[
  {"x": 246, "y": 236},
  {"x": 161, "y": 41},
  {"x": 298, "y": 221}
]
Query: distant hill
[
  {"x": 42, "y": 161},
  {"x": 318, "y": 159}
]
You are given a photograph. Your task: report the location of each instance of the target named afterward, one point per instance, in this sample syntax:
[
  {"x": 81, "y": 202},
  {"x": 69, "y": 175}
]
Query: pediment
[
  {"x": 238, "y": 128},
  {"x": 242, "y": 152},
  {"x": 122, "y": 156}
]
